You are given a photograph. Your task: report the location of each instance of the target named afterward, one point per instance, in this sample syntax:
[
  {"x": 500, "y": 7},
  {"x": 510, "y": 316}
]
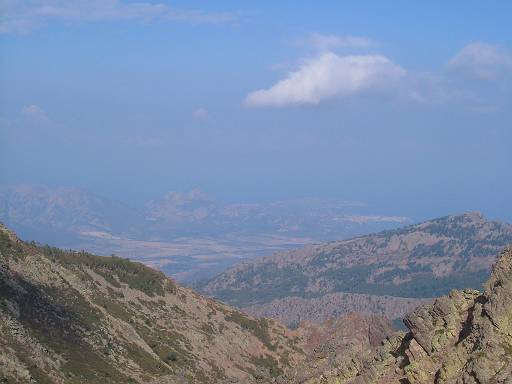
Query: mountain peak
[
  {"x": 498, "y": 291},
  {"x": 475, "y": 214},
  {"x": 502, "y": 269}
]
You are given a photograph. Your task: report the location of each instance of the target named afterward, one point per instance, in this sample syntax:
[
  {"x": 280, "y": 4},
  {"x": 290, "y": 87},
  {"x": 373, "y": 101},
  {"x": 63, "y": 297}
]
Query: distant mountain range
[
  {"x": 197, "y": 213},
  {"x": 187, "y": 235},
  {"x": 76, "y": 211},
  {"x": 61, "y": 215},
  {"x": 379, "y": 273}
]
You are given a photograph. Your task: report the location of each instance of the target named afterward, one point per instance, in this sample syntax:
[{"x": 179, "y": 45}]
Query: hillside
[
  {"x": 465, "y": 337},
  {"x": 419, "y": 261},
  {"x": 72, "y": 317}
]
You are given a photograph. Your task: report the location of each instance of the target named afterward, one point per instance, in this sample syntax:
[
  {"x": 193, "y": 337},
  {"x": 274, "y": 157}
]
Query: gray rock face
[{"x": 437, "y": 325}]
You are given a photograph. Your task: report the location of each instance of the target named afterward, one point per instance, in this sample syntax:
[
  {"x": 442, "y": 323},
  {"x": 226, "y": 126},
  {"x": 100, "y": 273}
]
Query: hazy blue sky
[{"x": 406, "y": 106}]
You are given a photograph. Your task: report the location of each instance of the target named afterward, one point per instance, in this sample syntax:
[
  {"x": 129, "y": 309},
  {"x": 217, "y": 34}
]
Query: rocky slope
[
  {"x": 418, "y": 261},
  {"x": 337, "y": 342},
  {"x": 465, "y": 337},
  {"x": 292, "y": 310},
  {"x": 72, "y": 317}
]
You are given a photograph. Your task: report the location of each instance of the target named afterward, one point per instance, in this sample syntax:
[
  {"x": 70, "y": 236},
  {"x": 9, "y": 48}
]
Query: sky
[{"x": 403, "y": 105}]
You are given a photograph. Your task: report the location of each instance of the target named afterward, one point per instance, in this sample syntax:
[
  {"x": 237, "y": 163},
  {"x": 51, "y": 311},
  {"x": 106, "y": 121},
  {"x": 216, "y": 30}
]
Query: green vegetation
[
  {"x": 268, "y": 363},
  {"x": 35, "y": 371},
  {"x": 354, "y": 266},
  {"x": 172, "y": 357},
  {"x": 113, "y": 307},
  {"x": 354, "y": 280},
  {"x": 60, "y": 320},
  {"x": 507, "y": 348},
  {"x": 135, "y": 275},
  {"x": 284, "y": 359},
  {"x": 165, "y": 343},
  {"x": 259, "y": 328},
  {"x": 146, "y": 362},
  {"x": 9, "y": 248}
]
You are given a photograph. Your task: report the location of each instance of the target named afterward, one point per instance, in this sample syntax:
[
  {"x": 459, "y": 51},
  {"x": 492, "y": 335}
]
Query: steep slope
[
  {"x": 465, "y": 337},
  {"x": 418, "y": 261},
  {"x": 72, "y": 317},
  {"x": 338, "y": 342}
]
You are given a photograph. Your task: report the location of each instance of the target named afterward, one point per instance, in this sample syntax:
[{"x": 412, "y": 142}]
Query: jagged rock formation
[
  {"x": 72, "y": 317},
  {"x": 465, "y": 337},
  {"x": 419, "y": 261}
]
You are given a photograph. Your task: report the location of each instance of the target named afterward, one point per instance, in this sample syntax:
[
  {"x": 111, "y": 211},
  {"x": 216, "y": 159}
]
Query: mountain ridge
[{"x": 423, "y": 260}]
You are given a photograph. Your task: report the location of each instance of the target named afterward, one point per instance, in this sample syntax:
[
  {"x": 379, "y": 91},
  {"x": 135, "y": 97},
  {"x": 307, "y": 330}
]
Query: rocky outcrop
[{"x": 465, "y": 337}]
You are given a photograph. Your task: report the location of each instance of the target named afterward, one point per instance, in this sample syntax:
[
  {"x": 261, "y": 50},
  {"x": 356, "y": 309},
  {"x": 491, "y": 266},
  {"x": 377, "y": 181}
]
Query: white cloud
[
  {"x": 25, "y": 16},
  {"x": 326, "y": 42},
  {"x": 328, "y": 76},
  {"x": 200, "y": 114},
  {"x": 36, "y": 113},
  {"x": 481, "y": 61}
]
